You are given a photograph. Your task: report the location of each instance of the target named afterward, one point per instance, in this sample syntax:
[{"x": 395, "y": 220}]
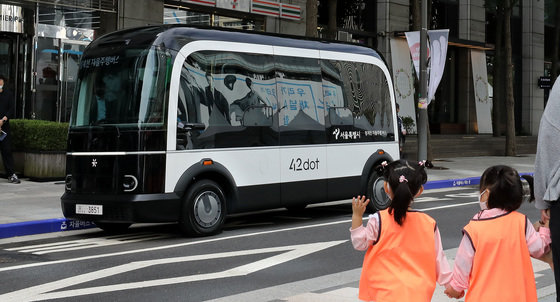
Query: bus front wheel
[
  {"x": 376, "y": 193},
  {"x": 204, "y": 209}
]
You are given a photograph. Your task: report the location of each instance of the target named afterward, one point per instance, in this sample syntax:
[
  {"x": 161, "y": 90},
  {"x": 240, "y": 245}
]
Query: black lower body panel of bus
[{"x": 124, "y": 208}]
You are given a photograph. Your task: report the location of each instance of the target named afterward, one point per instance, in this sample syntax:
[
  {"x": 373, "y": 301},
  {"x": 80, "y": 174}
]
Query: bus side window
[
  {"x": 339, "y": 119},
  {"x": 233, "y": 95},
  {"x": 189, "y": 108},
  {"x": 363, "y": 89},
  {"x": 302, "y": 108},
  {"x": 376, "y": 107}
]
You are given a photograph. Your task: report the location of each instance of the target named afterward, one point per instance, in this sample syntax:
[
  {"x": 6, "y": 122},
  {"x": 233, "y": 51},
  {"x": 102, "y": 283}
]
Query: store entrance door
[{"x": 57, "y": 73}]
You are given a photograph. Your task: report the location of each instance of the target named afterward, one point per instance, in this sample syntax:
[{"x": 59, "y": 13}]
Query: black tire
[
  {"x": 204, "y": 209},
  {"x": 113, "y": 227},
  {"x": 378, "y": 199}
]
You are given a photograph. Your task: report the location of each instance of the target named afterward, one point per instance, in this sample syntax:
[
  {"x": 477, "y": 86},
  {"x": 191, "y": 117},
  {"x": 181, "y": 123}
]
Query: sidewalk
[{"x": 34, "y": 207}]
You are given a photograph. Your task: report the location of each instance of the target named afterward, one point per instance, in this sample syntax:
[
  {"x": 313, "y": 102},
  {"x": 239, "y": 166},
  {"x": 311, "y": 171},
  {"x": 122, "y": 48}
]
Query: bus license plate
[{"x": 89, "y": 209}]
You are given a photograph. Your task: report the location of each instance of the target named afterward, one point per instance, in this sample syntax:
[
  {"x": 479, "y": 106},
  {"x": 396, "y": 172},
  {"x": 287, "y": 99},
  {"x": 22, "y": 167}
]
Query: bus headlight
[{"x": 129, "y": 183}]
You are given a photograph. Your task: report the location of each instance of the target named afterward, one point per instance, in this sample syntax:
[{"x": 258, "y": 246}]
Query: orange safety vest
[
  {"x": 502, "y": 268},
  {"x": 401, "y": 265}
]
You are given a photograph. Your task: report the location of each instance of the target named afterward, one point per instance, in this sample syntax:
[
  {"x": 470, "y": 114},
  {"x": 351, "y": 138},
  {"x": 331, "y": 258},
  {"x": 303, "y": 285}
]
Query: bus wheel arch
[
  {"x": 203, "y": 209},
  {"x": 215, "y": 172}
]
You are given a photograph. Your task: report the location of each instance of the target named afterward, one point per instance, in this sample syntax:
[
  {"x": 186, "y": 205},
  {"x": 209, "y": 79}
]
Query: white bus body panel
[{"x": 272, "y": 165}]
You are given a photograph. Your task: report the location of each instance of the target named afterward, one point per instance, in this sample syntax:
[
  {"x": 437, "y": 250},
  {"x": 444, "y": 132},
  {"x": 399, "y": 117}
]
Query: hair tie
[
  {"x": 384, "y": 164},
  {"x": 403, "y": 179}
]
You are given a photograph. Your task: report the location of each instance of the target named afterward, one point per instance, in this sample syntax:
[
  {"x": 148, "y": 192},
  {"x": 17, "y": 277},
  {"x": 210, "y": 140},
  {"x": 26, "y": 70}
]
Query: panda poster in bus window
[{"x": 300, "y": 96}]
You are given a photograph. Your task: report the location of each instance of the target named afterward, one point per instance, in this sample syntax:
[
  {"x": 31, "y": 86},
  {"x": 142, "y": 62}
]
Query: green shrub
[
  {"x": 408, "y": 124},
  {"x": 38, "y": 135}
]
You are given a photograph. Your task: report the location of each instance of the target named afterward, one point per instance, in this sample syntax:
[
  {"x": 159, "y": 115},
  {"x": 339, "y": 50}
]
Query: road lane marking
[
  {"x": 72, "y": 245},
  {"x": 44, "y": 291},
  {"x": 448, "y": 206}
]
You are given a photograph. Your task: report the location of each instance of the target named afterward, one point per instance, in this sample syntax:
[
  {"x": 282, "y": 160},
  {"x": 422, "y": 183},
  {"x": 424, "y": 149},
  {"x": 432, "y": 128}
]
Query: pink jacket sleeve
[
  {"x": 443, "y": 270},
  {"x": 363, "y": 237}
]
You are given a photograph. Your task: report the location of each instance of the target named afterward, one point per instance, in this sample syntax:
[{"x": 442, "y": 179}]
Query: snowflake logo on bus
[{"x": 94, "y": 163}]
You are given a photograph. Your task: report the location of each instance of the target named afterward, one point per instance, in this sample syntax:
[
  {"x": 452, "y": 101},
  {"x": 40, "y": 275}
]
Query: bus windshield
[{"x": 127, "y": 88}]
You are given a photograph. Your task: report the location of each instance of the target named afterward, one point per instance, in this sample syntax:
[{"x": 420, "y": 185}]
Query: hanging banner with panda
[{"x": 482, "y": 99}]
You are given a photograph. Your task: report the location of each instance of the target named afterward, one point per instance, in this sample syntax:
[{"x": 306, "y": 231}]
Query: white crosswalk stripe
[{"x": 72, "y": 245}]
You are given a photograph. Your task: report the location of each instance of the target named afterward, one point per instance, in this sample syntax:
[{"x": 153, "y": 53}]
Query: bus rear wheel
[
  {"x": 376, "y": 193},
  {"x": 204, "y": 209}
]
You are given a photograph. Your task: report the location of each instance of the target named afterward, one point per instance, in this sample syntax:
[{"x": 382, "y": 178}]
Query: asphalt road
[{"x": 274, "y": 255}]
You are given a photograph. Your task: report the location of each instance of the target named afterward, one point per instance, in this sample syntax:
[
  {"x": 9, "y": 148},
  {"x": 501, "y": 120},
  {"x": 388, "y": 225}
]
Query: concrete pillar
[
  {"x": 392, "y": 16},
  {"x": 107, "y": 23},
  {"x": 139, "y": 13},
  {"x": 532, "y": 103},
  {"x": 472, "y": 20}
]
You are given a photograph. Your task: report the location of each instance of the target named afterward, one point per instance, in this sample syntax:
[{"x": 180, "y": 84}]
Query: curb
[
  {"x": 42, "y": 226},
  {"x": 63, "y": 224},
  {"x": 460, "y": 182}
]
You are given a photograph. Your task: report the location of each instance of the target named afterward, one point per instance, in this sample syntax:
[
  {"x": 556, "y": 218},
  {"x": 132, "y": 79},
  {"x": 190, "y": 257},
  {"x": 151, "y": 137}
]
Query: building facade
[
  {"x": 461, "y": 104},
  {"x": 41, "y": 43}
]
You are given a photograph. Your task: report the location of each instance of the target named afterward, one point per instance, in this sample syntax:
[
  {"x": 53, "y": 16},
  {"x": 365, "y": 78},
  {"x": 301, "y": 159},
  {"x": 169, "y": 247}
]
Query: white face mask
[
  {"x": 1, "y": 86},
  {"x": 483, "y": 204}
]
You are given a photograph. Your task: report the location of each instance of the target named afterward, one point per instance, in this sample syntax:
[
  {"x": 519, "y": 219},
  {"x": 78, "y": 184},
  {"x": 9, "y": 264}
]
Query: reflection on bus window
[
  {"x": 302, "y": 114},
  {"x": 233, "y": 95},
  {"x": 128, "y": 89},
  {"x": 363, "y": 89}
]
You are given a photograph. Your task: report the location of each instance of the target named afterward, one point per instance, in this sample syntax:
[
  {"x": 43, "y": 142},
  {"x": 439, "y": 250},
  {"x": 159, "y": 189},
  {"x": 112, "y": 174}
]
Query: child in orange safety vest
[
  {"x": 493, "y": 262},
  {"x": 404, "y": 257}
]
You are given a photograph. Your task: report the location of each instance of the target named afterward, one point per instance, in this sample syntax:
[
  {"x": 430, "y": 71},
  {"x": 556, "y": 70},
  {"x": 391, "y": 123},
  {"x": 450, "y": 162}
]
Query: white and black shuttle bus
[{"x": 175, "y": 123}]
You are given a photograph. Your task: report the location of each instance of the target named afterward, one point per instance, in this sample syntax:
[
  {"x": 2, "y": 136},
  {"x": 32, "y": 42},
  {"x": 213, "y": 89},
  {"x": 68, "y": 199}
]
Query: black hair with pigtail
[
  {"x": 405, "y": 178},
  {"x": 507, "y": 189}
]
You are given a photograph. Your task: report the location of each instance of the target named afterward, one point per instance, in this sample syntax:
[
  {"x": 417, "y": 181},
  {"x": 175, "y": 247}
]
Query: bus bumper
[{"x": 129, "y": 208}]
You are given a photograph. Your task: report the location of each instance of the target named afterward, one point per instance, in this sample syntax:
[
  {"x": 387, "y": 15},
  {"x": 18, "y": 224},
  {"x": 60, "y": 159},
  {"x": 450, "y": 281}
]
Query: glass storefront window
[
  {"x": 44, "y": 105},
  {"x": 179, "y": 16}
]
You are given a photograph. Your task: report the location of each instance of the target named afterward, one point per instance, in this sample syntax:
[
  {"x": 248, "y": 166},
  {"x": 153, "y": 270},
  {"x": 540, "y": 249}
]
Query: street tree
[
  {"x": 498, "y": 80},
  {"x": 503, "y": 72},
  {"x": 511, "y": 147},
  {"x": 311, "y": 18}
]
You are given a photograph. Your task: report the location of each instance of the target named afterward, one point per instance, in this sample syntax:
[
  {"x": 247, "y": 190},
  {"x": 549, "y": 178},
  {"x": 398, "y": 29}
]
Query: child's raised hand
[
  {"x": 545, "y": 217},
  {"x": 359, "y": 204},
  {"x": 452, "y": 293}
]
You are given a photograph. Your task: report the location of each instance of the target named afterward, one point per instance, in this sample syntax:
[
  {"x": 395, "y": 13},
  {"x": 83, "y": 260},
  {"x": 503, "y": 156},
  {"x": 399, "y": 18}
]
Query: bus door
[{"x": 301, "y": 127}]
